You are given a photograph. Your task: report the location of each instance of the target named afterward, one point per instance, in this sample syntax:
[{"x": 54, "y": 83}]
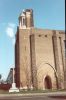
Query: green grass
[{"x": 31, "y": 91}]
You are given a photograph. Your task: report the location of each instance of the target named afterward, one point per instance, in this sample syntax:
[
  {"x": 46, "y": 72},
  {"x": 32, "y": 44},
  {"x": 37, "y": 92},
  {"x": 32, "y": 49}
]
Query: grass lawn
[{"x": 30, "y": 91}]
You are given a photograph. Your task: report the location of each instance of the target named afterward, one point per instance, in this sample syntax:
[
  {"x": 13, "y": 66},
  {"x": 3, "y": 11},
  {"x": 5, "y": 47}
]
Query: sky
[{"x": 48, "y": 14}]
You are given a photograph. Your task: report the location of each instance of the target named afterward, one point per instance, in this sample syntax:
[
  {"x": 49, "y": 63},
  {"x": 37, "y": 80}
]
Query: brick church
[{"x": 39, "y": 55}]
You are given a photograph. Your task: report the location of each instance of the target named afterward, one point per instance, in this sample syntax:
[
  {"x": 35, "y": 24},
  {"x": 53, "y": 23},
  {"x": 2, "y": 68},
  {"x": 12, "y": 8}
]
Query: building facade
[{"x": 39, "y": 55}]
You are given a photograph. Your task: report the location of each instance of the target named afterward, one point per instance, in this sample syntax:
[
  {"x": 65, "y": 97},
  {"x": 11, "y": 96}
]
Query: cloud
[{"x": 10, "y": 30}]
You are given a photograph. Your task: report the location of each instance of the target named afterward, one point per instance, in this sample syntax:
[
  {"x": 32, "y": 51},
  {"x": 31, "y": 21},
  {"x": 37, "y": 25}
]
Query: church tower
[
  {"x": 22, "y": 52},
  {"x": 26, "y": 19}
]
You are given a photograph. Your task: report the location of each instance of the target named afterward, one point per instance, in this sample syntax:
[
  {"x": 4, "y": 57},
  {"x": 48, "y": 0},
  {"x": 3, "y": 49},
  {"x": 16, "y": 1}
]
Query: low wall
[{"x": 5, "y": 86}]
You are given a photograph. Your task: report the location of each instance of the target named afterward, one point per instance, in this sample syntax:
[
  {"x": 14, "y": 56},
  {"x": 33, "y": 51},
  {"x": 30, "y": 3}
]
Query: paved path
[
  {"x": 35, "y": 96},
  {"x": 42, "y": 97},
  {"x": 25, "y": 98}
]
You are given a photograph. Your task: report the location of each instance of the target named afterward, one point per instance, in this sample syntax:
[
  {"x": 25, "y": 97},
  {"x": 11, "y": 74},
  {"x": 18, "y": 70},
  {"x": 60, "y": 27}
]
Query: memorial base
[{"x": 13, "y": 88}]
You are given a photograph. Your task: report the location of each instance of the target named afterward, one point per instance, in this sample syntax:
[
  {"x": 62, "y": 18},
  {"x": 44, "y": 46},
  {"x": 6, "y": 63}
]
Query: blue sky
[{"x": 48, "y": 14}]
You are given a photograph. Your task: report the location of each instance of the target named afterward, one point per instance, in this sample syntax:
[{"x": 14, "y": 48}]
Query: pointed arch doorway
[{"x": 48, "y": 82}]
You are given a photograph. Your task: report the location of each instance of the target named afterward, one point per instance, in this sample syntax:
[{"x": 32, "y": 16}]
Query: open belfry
[{"x": 39, "y": 55}]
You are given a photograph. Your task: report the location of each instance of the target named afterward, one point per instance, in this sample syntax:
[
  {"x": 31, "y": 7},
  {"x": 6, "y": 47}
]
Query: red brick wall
[{"x": 5, "y": 86}]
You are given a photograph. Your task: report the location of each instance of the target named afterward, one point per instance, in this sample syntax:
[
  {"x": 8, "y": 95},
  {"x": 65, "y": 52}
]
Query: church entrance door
[{"x": 48, "y": 83}]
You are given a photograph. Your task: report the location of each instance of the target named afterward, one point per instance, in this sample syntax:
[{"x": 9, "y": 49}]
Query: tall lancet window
[{"x": 23, "y": 21}]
